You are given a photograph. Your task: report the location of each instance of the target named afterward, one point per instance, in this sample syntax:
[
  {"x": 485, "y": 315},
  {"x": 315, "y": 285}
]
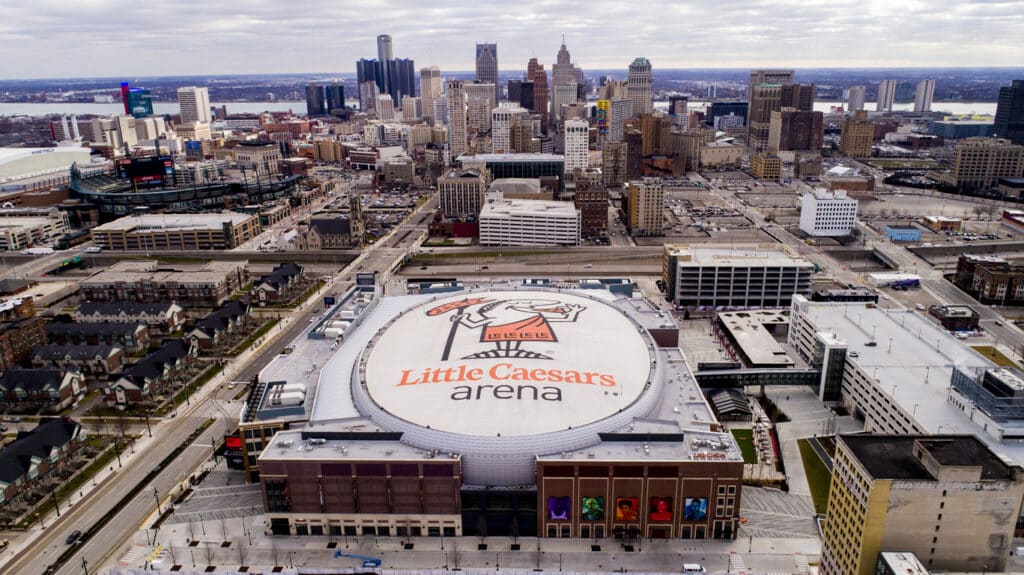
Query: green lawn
[
  {"x": 745, "y": 439},
  {"x": 994, "y": 355},
  {"x": 818, "y": 477}
]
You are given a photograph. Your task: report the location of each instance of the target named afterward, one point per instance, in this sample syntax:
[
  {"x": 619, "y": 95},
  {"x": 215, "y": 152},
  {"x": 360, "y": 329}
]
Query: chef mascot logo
[{"x": 506, "y": 324}]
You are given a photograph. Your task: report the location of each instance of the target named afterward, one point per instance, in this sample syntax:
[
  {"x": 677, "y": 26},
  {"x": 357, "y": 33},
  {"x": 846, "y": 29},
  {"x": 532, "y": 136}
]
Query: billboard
[
  {"x": 696, "y": 509},
  {"x": 660, "y": 509},
  {"x": 627, "y": 508},
  {"x": 151, "y": 170},
  {"x": 558, "y": 508},
  {"x": 601, "y": 115},
  {"x": 592, "y": 508}
]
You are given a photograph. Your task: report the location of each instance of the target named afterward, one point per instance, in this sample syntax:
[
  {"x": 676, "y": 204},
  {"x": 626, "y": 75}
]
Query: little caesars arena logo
[{"x": 509, "y": 329}]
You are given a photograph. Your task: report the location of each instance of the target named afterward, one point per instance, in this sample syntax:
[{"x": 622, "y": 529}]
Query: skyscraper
[
  {"x": 857, "y": 136},
  {"x": 563, "y": 71},
  {"x": 776, "y": 76},
  {"x": 886, "y": 95},
  {"x": 536, "y": 74},
  {"x": 396, "y": 77},
  {"x": 321, "y": 100},
  {"x": 194, "y": 104},
  {"x": 767, "y": 98},
  {"x": 1009, "y": 121},
  {"x": 487, "y": 67},
  {"x": 561, "y": 97},
  {"x": 794, "y": 130},
  {"x": 576, "y": 145},
  {"x": 521, "y": 92},
  {"x": 639, "y": 86},
  {"x": 455, "y": 96},
  {"x": 384, "y": 48},
  {"x": 923, "y": 96},
  {"x": 430, "y": 89},
  {"x": 855, "y": 99},
  {"x": 502, "y": 119}
]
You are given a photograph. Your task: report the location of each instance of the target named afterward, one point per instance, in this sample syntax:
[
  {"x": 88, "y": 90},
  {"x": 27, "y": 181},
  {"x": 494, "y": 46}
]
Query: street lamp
[
  {"x": 156, "y": 495},
  {"x": 56, "y": 505},
  {"x": 85, "y": 566}
]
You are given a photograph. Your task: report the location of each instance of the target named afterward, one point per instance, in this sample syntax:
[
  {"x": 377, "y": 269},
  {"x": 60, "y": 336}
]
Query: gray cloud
[{"x": 60, "y": 38}]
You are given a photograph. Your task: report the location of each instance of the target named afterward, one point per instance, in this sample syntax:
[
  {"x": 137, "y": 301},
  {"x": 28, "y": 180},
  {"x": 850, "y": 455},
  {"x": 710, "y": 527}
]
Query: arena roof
[
  {"x": 492, "y": 421},
  {"x": 508, "y": 363}
]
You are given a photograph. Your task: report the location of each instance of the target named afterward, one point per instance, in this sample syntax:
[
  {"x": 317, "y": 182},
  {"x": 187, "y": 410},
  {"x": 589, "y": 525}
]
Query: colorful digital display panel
[
  {"x": 660, "y": 509},
  {"x": 601, "y": 115},
  {"x": 627, "y": 508},
  {"x": 592, "y": 508},
  {"x": 696, "y": 509},
  {"x": 558, "y": 508}
]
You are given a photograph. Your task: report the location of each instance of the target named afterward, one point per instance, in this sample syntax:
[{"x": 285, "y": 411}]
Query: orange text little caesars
[{"x": 504, "y": 372}]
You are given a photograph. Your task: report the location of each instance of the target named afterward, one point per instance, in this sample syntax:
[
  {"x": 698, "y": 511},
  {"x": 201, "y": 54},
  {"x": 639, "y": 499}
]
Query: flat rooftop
[
  {"x": 912, "y": 358},
  {"x": 138, "y": 270},
  {"x": 169, "y": 222},
  {"x": 529, "y": 208},
  {"x": 748, "y": 330},
  {"x": 512, "y": 158},
  {"x": 892, "y": 456},
  {"x": 739, "y": 255}
]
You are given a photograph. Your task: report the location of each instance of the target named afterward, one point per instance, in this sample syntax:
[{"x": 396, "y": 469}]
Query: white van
[{"x": 693, "y": 568}]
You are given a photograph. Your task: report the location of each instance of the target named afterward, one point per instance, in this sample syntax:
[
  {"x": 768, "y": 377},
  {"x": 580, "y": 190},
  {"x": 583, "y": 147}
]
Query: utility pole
[
  {"x": 156, "y": 495},
  {"x": 56, "y": 504}
]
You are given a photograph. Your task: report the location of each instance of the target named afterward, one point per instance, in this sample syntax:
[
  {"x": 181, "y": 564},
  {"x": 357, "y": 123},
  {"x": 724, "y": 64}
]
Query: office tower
[
  {"x": 396, "y": 77},
  {"x": 923, "y": 96},
  {"x": 639, "y": 86},
  {"x": 766, "y": 167},
  {"x": 403, "y": 78},
  {"x": 384, "y": 48},
  {"x": 1009, "y": 121},
  {"x": 455, "y": 97},
  {"x": 430, "y": 89},
  {"x": 322, "y": 100},
  {"x": 368, "y": 92},
  {"x": 411, "y": 108},
  {"x": 618, "y": 113},
  {"x": 564, "y": 72},
  {"x": 479, "y": 103},
  {"x": 522, "y": 139},
  {"x": 613, "y": 164},
  {"x": 655, "y": 130},
  {"x": 857, "y": 136},
  {"x": 904, "y": 92},
  {"x": 385, "y": 107},
  {"x": 717, "y": 109},
  {"x": 825, "y": 213},
  {"x": 946, "y": 498},
  {"x": 645, "y": 207},
  {"x": 776, "y": 76},
  {"x": 562, "y": 96},
  {"x": 576, "y": 135},
  {"x": 855, "y": 99},
  {"x": 792, "y": 130},
  {"x": 194, "y": 104},
  {"x": 764, "y": 99},
  {"x": 536, "y": 74},
  {"x": 678, "y": 111},
  {"x": 634, "y": 152},
  {"x": 461, "y": 192},
  {"x": 502, "y": 120},
  {"x": 487, "y": 67},
  {"x": 768, "y": 98},
  {"x": 139, "y": 102},
  {"x": 314, "y": 100},
  {"x": 799, "y": 96},
  {"x": 886, "y": 95},
  {"x": 978, "y": 163},
  {"x": 521, "y": 92},
  {"x": 334, "y": 97}
]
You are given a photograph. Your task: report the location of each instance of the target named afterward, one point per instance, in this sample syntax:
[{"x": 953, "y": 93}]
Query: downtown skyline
[{"x": 264, "y": 37}]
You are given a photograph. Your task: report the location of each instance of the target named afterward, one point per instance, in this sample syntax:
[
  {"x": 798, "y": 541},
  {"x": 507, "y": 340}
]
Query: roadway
[{"x": 212, "y": 402}]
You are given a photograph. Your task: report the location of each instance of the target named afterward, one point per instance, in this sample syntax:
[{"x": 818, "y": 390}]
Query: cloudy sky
[{"x": 69, "y": 38}]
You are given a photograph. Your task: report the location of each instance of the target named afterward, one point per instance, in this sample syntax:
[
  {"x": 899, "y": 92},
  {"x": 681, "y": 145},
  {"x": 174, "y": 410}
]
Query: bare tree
[
  {"x": 223, "y": 529},
  {"x": 274, "y": 552},
  {"x": 191, "y": 531},
  {"x": 170, "y": 551}
]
